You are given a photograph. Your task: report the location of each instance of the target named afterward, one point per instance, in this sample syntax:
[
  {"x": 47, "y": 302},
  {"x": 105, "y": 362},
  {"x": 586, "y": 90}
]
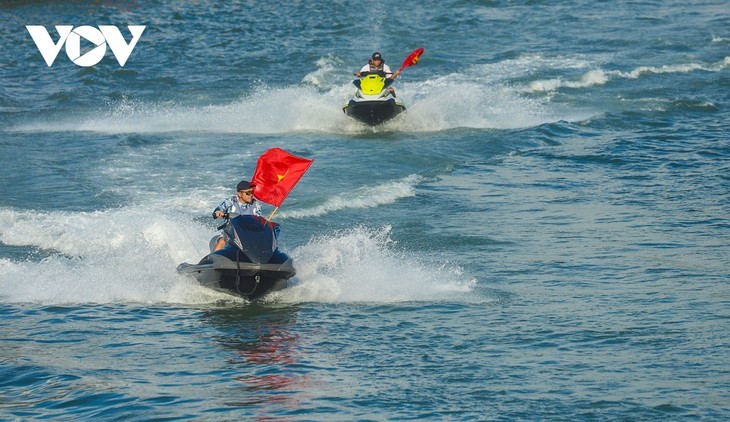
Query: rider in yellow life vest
[{"x": 377, "y": 64}]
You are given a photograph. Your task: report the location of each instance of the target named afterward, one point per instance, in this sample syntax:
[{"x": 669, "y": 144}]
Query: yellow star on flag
[{"x": 281, "y": 176}]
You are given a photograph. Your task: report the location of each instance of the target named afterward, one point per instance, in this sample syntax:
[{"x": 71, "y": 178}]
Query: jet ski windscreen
[{"x": 256, "y": 236}]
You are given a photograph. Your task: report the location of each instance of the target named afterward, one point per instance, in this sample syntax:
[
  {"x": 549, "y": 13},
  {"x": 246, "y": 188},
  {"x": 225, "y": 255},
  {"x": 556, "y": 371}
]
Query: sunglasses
[{"x": 247, "y": 192}]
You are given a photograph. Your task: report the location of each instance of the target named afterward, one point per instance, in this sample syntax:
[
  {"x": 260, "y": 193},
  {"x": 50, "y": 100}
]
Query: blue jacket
[{"x": 234, "y": 207}]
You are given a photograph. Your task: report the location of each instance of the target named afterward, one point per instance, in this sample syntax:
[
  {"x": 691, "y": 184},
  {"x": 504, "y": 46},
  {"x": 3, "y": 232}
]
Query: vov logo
[{"x": 71, "y": 37}]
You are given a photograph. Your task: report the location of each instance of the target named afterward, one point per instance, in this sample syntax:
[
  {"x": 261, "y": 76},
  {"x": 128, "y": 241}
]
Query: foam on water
[
  {"x": 474, "y": 98},
  {"x": 591, "y": 78},
  {"x": 364, "y": 265},
  {"x": 368, "y": 197},
  {"x": 328, "y": 69},
  {"x": 198, "y": 202},
  {"x": 128, "y": 255},
  {"x": 599, "y": 245},
  {"x": 265, "y": 111},
  {"x": 600, "y": 76},
  {"x": 124, "y": 255}
]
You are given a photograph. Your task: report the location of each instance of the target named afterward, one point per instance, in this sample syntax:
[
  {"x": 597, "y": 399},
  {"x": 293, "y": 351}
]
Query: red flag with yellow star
[
  {"x": 277, "y": 171},
  {"x": 412, "y": 58}
]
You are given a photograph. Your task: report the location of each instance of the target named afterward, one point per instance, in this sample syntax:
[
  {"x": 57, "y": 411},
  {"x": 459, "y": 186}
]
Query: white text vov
[{"x": 71, "y": 37}]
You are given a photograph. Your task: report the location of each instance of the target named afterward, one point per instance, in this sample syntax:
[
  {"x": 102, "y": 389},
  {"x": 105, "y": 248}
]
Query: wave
[
  {"x": 93, "y": 257},
  {"x": 369, "y": 197},
  {"x": 124, "y": 255},
  {"x": 485, "y": 96},
  {"x": 430, "y": 107},
  {"x": 328, "y": 69},
  {"x": 129, "y": 256},
  {"x": 600, "y": 77},
  {"x": 435, "y": 104},
  {"x": 265, "y": 111},
  {"x": 591, "y": 78},
  {"x": 364, "y": 265}
]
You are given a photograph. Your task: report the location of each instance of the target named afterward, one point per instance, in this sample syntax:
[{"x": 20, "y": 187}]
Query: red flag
[
  {"x": 276, "y": 173},
  {"x": 412, "y": 58}
]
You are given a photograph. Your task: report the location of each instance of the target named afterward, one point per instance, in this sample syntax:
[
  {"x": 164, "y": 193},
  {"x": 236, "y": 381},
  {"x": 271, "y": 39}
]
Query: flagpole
[{"x": 272, "y": 213}]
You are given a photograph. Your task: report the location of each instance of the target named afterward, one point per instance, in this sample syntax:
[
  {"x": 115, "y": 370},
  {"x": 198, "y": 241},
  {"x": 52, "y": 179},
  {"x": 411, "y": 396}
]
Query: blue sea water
[{"x": 543, "y": 235}]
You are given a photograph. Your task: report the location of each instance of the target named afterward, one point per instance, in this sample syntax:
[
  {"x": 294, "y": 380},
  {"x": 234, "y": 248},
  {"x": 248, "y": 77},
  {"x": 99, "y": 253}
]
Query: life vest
[{"x": 374, "y": 68}]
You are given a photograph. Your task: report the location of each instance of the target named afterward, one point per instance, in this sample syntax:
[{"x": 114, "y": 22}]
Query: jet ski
[
  {"x": 250, "y": 265},
  {"x": 373, "y": 103}
]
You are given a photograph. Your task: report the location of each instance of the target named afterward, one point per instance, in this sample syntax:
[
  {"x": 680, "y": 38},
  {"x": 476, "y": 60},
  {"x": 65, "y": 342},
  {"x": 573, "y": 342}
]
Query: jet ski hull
[
  {"x": 374, "y": 112},
  {"x": 239, "y": 277}
]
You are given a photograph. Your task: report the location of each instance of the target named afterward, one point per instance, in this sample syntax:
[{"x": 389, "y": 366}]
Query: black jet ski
[
  {"x": 250, "y": 265},
  {"x": 373, "y": 103}
]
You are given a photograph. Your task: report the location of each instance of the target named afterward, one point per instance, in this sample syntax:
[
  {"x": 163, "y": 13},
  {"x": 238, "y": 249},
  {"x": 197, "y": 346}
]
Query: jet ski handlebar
[
  {"x": 225, "y": 216},
  {"x": 376, "y": 72}
]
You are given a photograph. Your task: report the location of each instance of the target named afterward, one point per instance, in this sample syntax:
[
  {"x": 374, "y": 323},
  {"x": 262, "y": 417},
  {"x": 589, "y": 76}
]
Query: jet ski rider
[
  {"x": 240, "y": 204},
  {"x": 377, "y": 64}
]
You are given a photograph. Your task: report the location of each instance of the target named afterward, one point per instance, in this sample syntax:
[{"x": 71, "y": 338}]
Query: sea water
[{"x": 542, "y": 235}]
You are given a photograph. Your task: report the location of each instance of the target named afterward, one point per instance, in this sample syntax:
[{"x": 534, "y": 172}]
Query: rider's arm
[
  {"x": 365, "y": 68},
  {"x": 389, "y": 73},
  {"x": 222, "y": 209}
]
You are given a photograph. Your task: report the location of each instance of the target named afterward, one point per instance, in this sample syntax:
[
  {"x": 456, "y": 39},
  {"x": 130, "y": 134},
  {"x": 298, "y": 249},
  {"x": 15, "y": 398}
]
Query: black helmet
[{"x": 377, "y": 56}]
